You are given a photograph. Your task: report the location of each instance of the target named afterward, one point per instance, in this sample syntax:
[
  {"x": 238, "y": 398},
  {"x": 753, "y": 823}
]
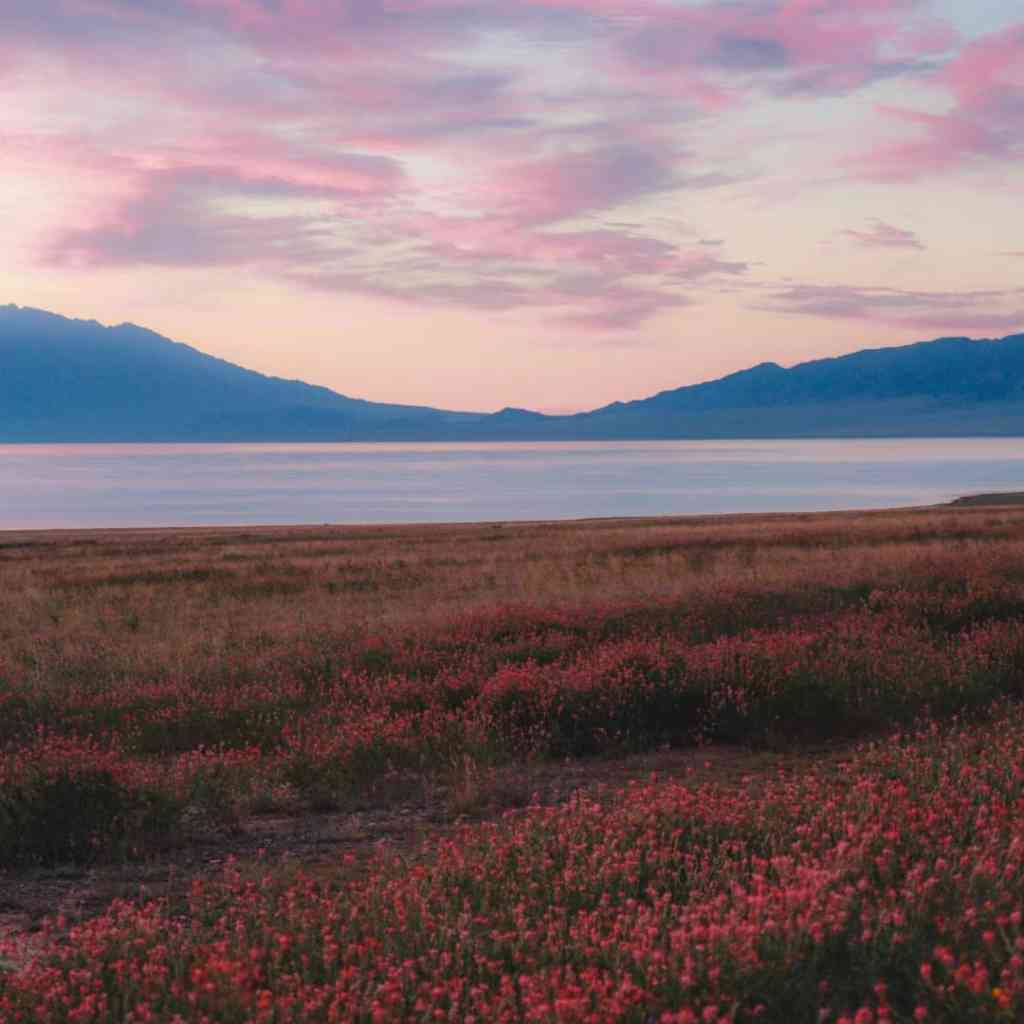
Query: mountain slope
[
  {"x": 952, "y": 368},
  {"x": 74, "y": 380},
  {"x": 950, "y": 386}
]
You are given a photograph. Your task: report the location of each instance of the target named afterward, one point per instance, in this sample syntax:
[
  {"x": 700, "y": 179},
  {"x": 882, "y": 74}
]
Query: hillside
[
  {"x": 947, "y": 386},
  {"x": 76, "y": 380}
]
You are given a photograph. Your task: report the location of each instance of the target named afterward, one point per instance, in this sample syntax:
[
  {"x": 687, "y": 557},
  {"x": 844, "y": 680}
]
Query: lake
[{"x": 99, "y": 485}]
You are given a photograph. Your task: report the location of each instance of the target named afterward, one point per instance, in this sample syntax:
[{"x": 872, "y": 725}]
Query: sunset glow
[{"x": 541, "y": 203}]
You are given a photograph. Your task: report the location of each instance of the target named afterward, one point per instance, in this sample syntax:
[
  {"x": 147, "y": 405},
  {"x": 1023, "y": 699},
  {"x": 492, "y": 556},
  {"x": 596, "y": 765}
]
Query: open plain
[{"x": 705, "y": 769}]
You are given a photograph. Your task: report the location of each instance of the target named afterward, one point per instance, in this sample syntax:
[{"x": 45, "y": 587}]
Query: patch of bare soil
[{"x": 317, "y": 842}]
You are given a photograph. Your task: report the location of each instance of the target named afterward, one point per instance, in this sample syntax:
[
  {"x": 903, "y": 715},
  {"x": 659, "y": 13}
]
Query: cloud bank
[{"x": 601, "y": 164}]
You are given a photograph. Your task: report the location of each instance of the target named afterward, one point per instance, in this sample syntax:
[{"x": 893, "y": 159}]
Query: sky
[{"x": 549, "y": 204}]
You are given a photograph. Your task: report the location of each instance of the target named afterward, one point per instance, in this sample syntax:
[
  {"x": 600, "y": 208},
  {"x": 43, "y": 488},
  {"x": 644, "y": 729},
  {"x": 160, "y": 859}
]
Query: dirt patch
[{"x": 318, "y": 842}]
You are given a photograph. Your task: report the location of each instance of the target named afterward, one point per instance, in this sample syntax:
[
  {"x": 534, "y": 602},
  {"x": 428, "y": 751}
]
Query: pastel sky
[{"x": 542, "y": 203}]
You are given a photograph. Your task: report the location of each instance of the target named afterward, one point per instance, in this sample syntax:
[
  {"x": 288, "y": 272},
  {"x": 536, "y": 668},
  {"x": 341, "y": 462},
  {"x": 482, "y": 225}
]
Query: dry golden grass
[{"x": 127, "y": 605}]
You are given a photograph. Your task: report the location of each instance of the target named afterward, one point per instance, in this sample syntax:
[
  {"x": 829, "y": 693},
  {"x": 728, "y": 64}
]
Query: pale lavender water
[{"x": 52, "y": 486}]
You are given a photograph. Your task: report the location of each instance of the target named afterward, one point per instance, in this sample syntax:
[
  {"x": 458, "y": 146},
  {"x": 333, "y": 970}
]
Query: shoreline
[
  {"x": 967, "y": 501},
  {"x": 995, "y": 498}
]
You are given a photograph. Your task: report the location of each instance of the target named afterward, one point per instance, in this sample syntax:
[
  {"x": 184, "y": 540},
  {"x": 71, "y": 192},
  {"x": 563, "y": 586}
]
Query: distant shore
[
  {"x": 997, "y": 498},
  {"x": 24, "y": 536}
]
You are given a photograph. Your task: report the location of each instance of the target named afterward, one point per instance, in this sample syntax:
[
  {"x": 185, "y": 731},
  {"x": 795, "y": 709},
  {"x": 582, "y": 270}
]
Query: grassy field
[{"x": 159, "y": 688}]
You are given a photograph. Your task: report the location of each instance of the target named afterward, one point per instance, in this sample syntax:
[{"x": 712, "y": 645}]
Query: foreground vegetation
[
  {"x": 885, "y": 889},
  {"x": 152, "y": 679},
  {"x": 153, "y": 684}
]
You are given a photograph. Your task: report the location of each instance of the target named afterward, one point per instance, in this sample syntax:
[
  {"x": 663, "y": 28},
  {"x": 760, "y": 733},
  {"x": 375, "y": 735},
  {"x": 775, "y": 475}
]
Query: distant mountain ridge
[
  {"x": 76, "y": 380},
  {"x": 65, "y": 380}
]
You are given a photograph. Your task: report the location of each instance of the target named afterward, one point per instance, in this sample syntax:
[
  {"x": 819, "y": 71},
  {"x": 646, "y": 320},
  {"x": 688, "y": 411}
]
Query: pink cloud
[
  {"x": 885, "y": 236},
  {"x": 612, "y": 252},
  {"x": 174, "y": 216},
  {"x": 171, "y": 223},
  {"x": 981, "y": 309},
  {"x": 501, "y": 239},
  {"x": 967, "y": 321},
  {"x": 585, "y": 301},
  {"x": 795, "y": 46},
  {"x": 697, "y": 265},
  {"x": 988, "y": 74},
  {"x": 166, "y": 209},
  {"x": 442, "y": 175},
  {"x": 604, "y": 265},
  {"x": 712, "y": 54},
  {"x": 599, "y": 280},
  {"x": 623, "y": 309},
  {"x": 259, "y": 160},
  {"x": 563, "y": 186},
  {"x": 986, "y": 120}
]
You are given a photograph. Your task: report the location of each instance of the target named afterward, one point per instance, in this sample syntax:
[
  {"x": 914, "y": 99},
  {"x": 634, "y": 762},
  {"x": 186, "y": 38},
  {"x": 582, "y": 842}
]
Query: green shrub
[{"x": 80, "y": 817}]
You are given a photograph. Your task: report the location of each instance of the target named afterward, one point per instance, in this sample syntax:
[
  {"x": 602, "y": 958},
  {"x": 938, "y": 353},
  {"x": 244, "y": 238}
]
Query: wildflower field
[{"x": 157, "y": 687}]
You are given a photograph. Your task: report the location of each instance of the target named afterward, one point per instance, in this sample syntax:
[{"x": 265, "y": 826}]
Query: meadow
[{"x": 158, "y": 688}]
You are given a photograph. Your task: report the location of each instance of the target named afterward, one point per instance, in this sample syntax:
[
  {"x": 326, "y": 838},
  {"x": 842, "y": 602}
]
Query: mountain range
[{"x": 64, "y": 380}]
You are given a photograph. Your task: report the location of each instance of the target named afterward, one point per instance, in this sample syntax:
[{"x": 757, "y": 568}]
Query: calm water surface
[{"x": 49, "y": 486}]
